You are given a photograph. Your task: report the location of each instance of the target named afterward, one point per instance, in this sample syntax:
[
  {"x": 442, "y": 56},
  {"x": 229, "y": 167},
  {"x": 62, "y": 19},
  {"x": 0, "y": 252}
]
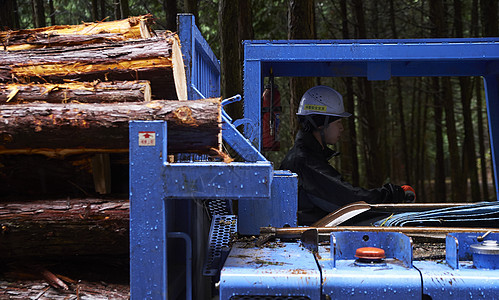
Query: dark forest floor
[{"x": 90, "y": 278}]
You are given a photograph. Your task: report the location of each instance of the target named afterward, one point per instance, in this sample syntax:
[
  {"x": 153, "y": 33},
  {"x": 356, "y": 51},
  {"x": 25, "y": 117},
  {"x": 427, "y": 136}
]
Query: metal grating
[
  {"x": 219, "y": 207},
  {"x": 222, "y": 227},
  {"x": 258, "y": 297}
]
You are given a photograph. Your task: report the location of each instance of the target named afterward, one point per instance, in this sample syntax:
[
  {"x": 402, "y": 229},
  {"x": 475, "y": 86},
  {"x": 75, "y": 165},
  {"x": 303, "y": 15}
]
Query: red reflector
[{"x": 370, "y": 253}]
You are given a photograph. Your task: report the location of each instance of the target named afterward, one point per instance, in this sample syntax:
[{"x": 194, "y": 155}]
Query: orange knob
[{"x": 370, "y": 253}]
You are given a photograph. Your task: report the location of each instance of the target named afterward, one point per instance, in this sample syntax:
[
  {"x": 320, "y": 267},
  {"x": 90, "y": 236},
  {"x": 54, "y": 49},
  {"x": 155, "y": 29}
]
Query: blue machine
[
  {"x": 165, "y": 197},
  {"x": 465, "y": 274}
]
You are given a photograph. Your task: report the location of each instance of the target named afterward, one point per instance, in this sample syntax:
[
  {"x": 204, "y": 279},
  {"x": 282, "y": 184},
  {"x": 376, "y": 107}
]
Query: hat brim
[{"x": 342, "y": 115}]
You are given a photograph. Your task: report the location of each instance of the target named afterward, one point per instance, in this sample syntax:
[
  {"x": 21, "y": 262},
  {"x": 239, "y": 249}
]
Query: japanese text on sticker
[{"x": 147, "y": 138}]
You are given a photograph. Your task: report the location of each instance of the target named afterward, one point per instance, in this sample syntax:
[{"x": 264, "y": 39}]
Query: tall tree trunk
[
  {"x": 469, "y": 162},
  {"x": 38, "y": 13},
  {"x": 301, "y": 25},
  {"x": 95, "y": 10},
  {"x": 440, "y": 188},
  {"x": 438, "y": 30},
  {"x": 125, "y": 9},
  {"x": 16, "y": 15},
  {"x": 117, "y": 9},
  {"x": 52, "y": 13},
  {"x": 370, "y": 125},
  {"x": 191, "y": 6},
  {"x": 469, "y": 153},
  {"x": 103, "y": 12},
  {"x": 230, "y": 42},
  {"x": 475, "y": 31},
  {"x": 170, "y": 7},
  {"x": 481, "y": 140},
  {"x": 245, "y": 22},
  {"x": 9, "y": 17},
  {"x": 421, "y": 140},
  {"x": 458, "y": 183},
  {"x": 350, "y": 148},
  {"x": 490, "y": 23},
  {"x": 245, "y": 31},
  {"x": 400, "y": 105}
]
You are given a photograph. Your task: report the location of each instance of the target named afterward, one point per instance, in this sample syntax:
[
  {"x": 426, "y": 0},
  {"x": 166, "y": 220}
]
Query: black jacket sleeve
[{"x": 325, "y": 182}]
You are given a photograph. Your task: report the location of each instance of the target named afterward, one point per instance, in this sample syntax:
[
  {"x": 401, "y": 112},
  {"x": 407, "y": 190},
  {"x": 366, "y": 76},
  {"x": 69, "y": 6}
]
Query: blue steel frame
[
  {"x": 154, "y": 183},
  {"x": 148, "y": 214},
  {"x": 376, "y": 60},
  {"x": 202, "y": 67},
  {"x": 395, "y": 279},
  {"x": 286, "y": 270},
  {"x": 458, "y": 278}
]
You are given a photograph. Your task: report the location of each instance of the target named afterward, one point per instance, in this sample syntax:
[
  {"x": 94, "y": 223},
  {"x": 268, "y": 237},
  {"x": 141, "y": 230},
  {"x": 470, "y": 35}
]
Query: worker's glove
[
  {"x": 394, "y": 194},
  {"x": 410, "y": 194}
]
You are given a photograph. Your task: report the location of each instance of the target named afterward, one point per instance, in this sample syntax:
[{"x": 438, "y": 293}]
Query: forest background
[{"x": 429, "y": 132}]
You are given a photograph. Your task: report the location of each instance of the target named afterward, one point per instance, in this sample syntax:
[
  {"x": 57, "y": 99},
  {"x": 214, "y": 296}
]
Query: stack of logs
[{"x": 67, "y": 94}]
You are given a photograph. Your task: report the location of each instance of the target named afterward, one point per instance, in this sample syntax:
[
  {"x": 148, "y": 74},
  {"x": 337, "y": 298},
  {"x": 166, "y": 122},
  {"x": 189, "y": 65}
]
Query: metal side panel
[
  {"x": 442, "y": 282},
  {"x": 222, "y": 227},
  {"x": 392, "y": 281},
  {"x": 344, "y": 278},
  {"x": 278, "y": 211},
  {"x": 212, "y": 180},
  {"x": 460, "y": 277},
  {"x": 280, "y": 269},
  {"x": 148, "y": 215}
]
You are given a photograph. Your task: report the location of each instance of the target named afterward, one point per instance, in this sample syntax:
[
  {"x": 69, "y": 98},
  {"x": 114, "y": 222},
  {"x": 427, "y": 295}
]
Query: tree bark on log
[
  {"x": 82, "y": 92},
  {"x": 64, "y": 227},
  {"x": 154, "y": 59},
  {"x": 130, "y": 28},
  {"x": 193, "y": 126}
]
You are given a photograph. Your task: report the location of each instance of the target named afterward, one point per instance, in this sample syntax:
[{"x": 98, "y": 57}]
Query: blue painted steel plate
[
  {"x": 211, "y": 180},
  {"x": 281, "y": 269},
  {"x": 393, "y": 280},
  {"x": 442, "y": 282}
]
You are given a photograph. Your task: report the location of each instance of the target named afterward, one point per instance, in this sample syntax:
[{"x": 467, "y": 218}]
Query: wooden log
[
  {"x": 155, "y": 59},
  {"x": 64, "y": 227},
  {"x": 64, "y": 35},
  {"x": 83, "y": 92},
  {"x": 193, "y": 126}
]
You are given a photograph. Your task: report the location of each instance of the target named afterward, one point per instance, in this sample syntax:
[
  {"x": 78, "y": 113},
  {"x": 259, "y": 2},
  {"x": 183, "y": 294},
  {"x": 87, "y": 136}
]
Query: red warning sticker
[{"x": 147, "y": 138}]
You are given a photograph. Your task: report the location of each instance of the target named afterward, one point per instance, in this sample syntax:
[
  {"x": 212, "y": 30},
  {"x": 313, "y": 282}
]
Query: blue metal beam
[
  {"x": 253, "y": 89},
  {"x": 148, "y": 216},
  {"x": 373, "y": 50},
  {"x": 212, "y": 180}
]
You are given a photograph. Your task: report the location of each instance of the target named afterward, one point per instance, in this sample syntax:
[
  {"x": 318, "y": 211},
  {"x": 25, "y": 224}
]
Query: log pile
[
  {"x": 108, "y": 51},
  {"x": 67, "y": 94}
]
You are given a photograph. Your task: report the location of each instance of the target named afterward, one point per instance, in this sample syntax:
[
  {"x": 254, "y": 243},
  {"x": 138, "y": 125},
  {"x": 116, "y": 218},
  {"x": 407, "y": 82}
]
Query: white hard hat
[{"x": 322, "y": 100}]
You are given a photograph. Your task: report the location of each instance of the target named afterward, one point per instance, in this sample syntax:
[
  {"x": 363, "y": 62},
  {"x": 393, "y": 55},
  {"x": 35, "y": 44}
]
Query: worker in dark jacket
[{"x": 321, "y": 188}]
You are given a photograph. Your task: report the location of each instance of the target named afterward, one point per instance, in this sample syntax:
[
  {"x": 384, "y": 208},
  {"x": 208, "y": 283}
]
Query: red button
[{"x": 370, "y": 253}]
